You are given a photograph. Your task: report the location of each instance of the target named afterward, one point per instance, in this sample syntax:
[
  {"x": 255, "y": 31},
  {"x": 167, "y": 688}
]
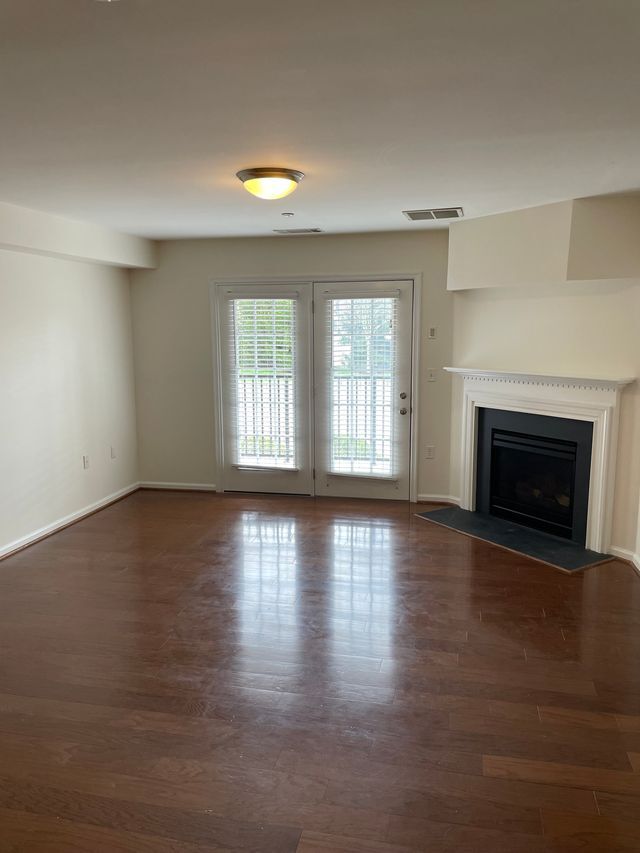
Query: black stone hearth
[{"x": 559, "y": 553}]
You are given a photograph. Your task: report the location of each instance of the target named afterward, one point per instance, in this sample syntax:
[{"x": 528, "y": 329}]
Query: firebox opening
[{"x": 534, "y": 470}]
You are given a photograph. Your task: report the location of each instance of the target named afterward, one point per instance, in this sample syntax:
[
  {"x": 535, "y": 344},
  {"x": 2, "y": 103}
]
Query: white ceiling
[{"x": 136, "y": 114}]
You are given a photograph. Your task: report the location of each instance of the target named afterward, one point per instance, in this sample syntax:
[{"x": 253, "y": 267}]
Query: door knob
[
  {"x": 403, "y": 395},
  {"x": 403, "y": 411}
]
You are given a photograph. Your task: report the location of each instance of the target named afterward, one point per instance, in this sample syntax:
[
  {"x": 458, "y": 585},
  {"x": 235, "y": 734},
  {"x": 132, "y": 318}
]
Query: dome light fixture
[{"x": 270, "y": 183}]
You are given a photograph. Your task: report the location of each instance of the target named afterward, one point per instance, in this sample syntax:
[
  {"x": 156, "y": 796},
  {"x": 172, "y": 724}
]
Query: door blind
[
  {"x": 361, "y": 361},
  {"x": 262, "y": 336}
]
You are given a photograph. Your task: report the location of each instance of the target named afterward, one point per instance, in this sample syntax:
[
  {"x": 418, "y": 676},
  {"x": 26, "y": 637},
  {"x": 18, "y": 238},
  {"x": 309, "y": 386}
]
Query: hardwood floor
[{"x": 196, "y": 673}]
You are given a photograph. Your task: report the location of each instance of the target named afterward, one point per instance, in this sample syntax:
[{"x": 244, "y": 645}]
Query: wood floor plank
[
  {"x": 364, "y": 772},
  {"x": 618, "y": 806},
  {"x": 602, "y": 748},
  {"x": 194, "y": 827},
  {"x": 433, "y": 805},
  {"x": 634, "y": 758},
  {"x": 628, "y": 722},
  {"x": 29, "y": 833},
  {"x": 566, "y": 833},
  {"x": 318, "y": 842},
  {"x": 553, "y": 773},
  {"x": 573, "y": 717},
  {"x": 426, "y": 835}
]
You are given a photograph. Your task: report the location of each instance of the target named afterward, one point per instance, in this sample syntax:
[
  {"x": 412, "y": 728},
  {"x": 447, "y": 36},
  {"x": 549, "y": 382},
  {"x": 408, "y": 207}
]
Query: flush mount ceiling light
[{"x": 270, "y": 183}]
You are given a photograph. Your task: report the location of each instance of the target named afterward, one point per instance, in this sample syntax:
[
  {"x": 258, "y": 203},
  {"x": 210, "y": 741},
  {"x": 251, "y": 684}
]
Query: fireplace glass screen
[
  {"x": 534, "y": 470},
  {"x": 532, "y": 480}
]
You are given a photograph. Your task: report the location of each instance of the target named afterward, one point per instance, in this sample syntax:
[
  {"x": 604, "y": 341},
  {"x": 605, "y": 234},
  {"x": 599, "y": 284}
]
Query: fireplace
[
  {"x": 595, "y": 403},
  {"x": 534, "y": 470}
]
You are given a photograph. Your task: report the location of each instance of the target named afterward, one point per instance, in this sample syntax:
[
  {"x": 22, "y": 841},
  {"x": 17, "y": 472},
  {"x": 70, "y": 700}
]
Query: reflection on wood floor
[{"x": 193, "y": 672}]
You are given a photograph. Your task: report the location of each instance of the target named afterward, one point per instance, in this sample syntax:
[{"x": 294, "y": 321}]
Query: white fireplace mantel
[{"x": 593, "y": 399}]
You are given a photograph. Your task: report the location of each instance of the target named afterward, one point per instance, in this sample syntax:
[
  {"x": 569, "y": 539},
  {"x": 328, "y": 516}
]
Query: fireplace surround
[{"x": 594, "y": 401}]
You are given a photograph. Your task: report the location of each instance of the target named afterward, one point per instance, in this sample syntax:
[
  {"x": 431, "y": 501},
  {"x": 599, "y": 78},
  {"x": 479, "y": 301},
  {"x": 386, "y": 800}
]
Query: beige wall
[
  {"x": 584, "y": 239},
  {"x": 579, "y": 329},
  {"x": 520, "y": 248},
  {"x": 66, "y": 389},
  {"x": 604, "y": 238},
  {"x": 172, "y": 335}
]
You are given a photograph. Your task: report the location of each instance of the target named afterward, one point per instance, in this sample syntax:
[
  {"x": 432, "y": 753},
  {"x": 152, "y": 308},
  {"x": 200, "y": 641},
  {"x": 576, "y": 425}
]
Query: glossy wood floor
[{"x": 192, "y": 672}]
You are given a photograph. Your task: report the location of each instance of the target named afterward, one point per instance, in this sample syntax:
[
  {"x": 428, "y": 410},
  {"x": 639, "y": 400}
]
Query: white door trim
[{"x": 415, "y": 277}]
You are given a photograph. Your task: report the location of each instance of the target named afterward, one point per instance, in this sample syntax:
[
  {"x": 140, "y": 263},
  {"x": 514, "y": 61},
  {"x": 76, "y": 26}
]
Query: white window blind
[
  {"x": 361, "y": 361},
  {"x": 262, "y": 336}
]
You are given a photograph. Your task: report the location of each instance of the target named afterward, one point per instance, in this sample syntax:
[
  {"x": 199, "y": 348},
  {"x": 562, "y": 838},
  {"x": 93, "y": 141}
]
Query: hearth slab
[{"x": 559, "y": 553}]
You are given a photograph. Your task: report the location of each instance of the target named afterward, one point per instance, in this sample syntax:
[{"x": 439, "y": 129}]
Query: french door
[
  {"x": 315, "y": 387},
  {"x": 363, "y": 388},
  {"x": 265, "y": 387}
]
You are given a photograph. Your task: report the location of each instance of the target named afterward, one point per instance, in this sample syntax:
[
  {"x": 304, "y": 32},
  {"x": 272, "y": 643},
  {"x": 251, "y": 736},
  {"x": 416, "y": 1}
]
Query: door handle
[
  {"x": 403, "y": 395},
  {"x": 403, "y": 411}
]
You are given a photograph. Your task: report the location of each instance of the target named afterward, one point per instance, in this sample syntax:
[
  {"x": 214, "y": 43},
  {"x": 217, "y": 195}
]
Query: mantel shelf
[{"x": 518, "y": 378}]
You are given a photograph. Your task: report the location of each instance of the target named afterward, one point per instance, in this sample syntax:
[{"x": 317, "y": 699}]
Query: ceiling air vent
[
  {"x": 297, "y": 230},
  {"x": 434, "y": 213}
]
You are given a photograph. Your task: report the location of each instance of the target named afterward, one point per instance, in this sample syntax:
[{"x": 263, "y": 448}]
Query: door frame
[{"x": 415, "y": 277}]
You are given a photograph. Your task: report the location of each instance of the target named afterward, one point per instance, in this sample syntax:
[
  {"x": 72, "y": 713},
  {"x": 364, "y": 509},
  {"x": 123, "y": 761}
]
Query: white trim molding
[
  {"x": 438, "y": 499},
  {"x": 181, "y": 487},
  {"x": 595, "y": 400},
  {"x": 61, "y": 523}
]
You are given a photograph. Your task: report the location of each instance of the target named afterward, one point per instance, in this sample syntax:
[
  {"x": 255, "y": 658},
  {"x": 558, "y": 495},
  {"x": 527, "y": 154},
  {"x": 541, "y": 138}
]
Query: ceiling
[{"x": 136, "y": 114}]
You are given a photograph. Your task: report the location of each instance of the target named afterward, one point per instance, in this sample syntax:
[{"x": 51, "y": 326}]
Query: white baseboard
[
  {"x": 183, "y": 487},
  {"x": 627, "y": 555},
  {"x": 60, "y": 523},
  {"x": 439, "y": 499}
]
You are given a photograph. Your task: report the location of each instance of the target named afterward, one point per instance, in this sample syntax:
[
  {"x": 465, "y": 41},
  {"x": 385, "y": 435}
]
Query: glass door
[
  {"x": 265, "y": 395},
  {"x": 362, "y": 356}
]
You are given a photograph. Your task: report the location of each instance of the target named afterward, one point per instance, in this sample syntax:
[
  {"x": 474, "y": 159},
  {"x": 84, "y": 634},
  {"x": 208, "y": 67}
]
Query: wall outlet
[
  {"x": 432, "y": 333},
  {"x": 432, "y": 375},
  {"x": 113, "y": 452},
  {"x": 85, "y": 462},
  {"x": 429, "y": 452}
]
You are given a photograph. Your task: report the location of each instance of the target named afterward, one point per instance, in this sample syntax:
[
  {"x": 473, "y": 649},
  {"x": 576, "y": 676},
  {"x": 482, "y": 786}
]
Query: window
[
  {"x": 263, "y": 363},
  {"x": 362, "y": 339}
]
